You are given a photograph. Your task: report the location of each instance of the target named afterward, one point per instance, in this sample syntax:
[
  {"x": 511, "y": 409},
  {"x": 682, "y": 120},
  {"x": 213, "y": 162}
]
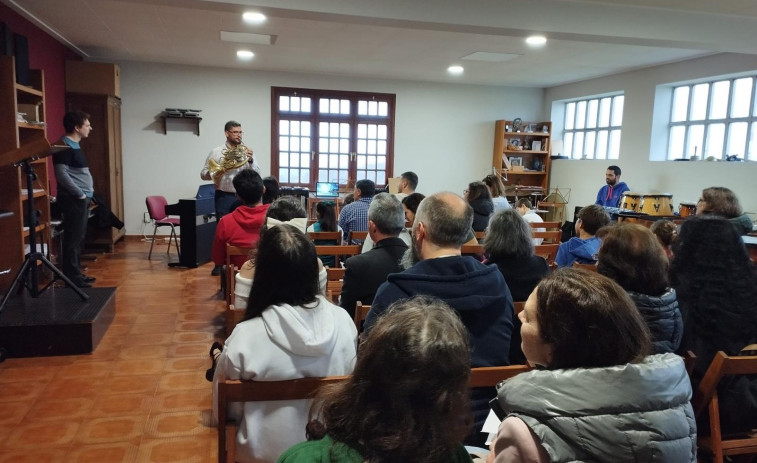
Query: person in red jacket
[{"x": 242, "y": 226}]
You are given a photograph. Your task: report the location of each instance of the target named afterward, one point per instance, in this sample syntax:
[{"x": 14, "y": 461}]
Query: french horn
[{"x": 231, "y": 158}]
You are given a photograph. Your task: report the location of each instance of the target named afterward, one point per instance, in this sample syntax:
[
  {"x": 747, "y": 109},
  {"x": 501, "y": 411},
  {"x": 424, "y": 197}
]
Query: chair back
[
  {"x": 330, "y": 236},
  {"x": 479, "y": 235},
  {"x": 472, "y": 250},
  {"x": 518, "y": 307},
  {"x": 230, "y": 391},
  {"x": 231, "y": 270},
  {"x": 706, "y": 398},
  {"x": 232, "y": 317},
  {"x": 547, "y": 251},
  {"x": 333, "y": 250},
  {"x": 553, "y": 236},
  {"x": 545, "y": 225},
  {"x": 361, "y": 311},
  {"x": 156, "y": 207},
  {"x": 357, "y": 235},
  {"x": 491, "y": 376},
  {"x": 589, "y": 267},
  {"x": 334, "y": 274}
]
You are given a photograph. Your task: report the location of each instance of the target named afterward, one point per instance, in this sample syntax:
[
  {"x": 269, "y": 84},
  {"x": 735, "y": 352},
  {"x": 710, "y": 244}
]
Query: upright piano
[{"x": 197, "y": 227}]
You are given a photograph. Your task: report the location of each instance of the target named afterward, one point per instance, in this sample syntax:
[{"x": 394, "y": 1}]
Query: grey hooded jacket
[{"x": 627, "y": 413}]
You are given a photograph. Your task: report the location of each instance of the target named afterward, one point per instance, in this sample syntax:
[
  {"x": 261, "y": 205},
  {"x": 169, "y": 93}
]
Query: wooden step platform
[{"x": 57, "y": 322}]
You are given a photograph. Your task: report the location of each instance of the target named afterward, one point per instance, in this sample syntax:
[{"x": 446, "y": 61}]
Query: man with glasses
[{"x": 223, "y": 164}]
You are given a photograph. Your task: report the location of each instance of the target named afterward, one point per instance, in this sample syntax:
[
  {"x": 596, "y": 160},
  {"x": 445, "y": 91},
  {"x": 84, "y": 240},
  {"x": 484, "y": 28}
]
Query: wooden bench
[
  {"x": 549, "y": 237},
  {"x": 547, "y": 251}
]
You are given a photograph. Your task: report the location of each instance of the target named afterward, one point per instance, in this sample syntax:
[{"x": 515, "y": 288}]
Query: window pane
[
  {"x": 323, "y": 175},
  {"x": 719, "y": 103},
  {"x": 617, "y": 110},
  {"x": 283, "y": 175},
  {"x": 294, "y": 128},
  {"x": 305, "y": 176},
  {"x": 284, "y": 127},
  {"x": 283, "y": 103},
  {"x": 694, "y": 145},
  {"x": 305, "y": 144},
  {"x": 381, "y": 132},
  {"x": 380, "y": 178},
  {"x": 294, "y": 160},
  {"x": 680, "y": 105},
  {"x": 602, "y": 144},
  {"x": 323, "y": 105},
  {"x": 699, "y": 102},
  {"x": 614, "y": 152},
  {"x": 334, "y": 106},
  {"x": 742, "y": 94},
  {"x": 343, "y": 177},
  {"x": 570, "y": 113},
  {"x": 295, "y": 103},
  {"x": 323, "y": 161},
  {"x": 383, "y": 110},
  {"x": 345, "y": 107},
  {"x": 334, "y": 130},
  {"x": 675, "y": 148},
  {"x": 283, "y": 143},
  {"x": 283, "y": 159},
  {"x": 591, "y": 117},
  {"x": 715, "y": 138},
  {"x": 304, "y": 160},
  {"x": 381, "y": 147},
  {"x": 589, "y": 143},
  {"x": 360, "y": 163},
  {"x": 580, "y": 114},
  {"x": 578, "y": 145},
  {"x": 362, "y": 147},
  {"x": 333, "y": 160},
  {"x": 372, "y": 131},
  {"x": 344, "y": 146},
  {"x": 381, "y": 162},
  {"x": 344, "y": 160},
  {"x": 752, "y": 150},
  {"x": 371, "y": 146},
  {"x": 737, "y": 138},
  {"x": 604, "y": 112},
  {"x": 362, "y": 131},
  {"x": 305, "y": 105},
  {"x": 568, "y": 145},
  {"x": 344, "y": 130},
  {"x": 372, "y": 108},
  {"x": 294, "y": 143},
  {"x": 362, "y": 108}
]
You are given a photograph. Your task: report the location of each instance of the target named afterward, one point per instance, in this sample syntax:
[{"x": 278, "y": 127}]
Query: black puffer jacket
[
  {"x": 663, "y": 319},
  {"x": 482, "y": 210}
]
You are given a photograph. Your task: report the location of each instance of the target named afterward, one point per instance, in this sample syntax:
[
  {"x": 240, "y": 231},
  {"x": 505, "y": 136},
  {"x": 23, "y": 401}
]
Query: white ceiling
[{"x": 407, "y": 39}]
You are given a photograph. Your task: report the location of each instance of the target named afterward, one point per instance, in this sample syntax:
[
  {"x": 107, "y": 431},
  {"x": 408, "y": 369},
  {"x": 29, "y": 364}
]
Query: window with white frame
[
  {"x": 716, "y": 118},
  {"x": 592, "y": 128}
]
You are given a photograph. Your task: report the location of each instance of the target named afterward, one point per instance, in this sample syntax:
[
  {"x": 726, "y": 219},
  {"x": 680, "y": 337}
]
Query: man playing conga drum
[{"x": 610, "y": 194}]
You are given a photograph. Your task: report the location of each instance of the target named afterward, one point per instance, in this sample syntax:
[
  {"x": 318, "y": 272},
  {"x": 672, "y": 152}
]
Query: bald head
[{"x": 446, "y": 217}]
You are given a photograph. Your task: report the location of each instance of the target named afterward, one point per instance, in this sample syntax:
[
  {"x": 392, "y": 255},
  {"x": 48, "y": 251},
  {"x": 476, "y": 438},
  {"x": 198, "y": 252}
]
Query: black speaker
[
  {"x": 6, "y": 40},
  {"x": 21, "y": 45}
]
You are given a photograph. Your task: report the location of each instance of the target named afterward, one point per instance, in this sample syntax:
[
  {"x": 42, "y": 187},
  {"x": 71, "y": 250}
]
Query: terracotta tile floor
[{"x": 142, "y": 395}]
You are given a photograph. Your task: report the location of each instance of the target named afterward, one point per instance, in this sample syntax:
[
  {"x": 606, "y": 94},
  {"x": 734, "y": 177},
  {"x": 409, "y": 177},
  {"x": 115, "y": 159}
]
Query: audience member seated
[
  {"x": 508, "y": 245},
  {"x": 497, "y": 191},
  {"x": 286, "y": 209},
  {"x": 242, "y": 226},
  {"x": 479, "y": 198},
  {"x": 326, "y": 213},
  {"x": 364, "y": 273},
  {"x": 271, "y": 190},
  {"x": 584, "y": 247},
  {"x": 666, "y": 232},
  {"x": 717, "y": 291},
  {"x": 290, "y": 331},
  {"x": 406, "y": 399},
  {"x": 408, "y": 184},
  {"x": 723, "y": 202},
  {"x": 523, "y": 206},
  {"x": 632, "y": 257},
  {"x": 476, "y": 291},
  {"x": 409, "y": 205},
  {"x": 598, "y": 395},
  {"x": 354, "y": 216}
]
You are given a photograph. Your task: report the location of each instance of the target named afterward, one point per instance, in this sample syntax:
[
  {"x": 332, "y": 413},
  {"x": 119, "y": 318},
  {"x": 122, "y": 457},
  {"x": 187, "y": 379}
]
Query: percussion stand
[{"x": 27, "y": 274}]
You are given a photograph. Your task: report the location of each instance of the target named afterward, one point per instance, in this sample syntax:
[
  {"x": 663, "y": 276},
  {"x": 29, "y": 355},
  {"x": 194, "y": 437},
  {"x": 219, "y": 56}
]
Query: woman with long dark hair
[
  {"x": 289, "y": 331},
  {"x": 599, "y": 395},
  {"x": 717, "y": 292},
  {"x": 327, "y": 222},
  {"x": 480, "y": 199},
  {"x": 406, "y": 401}
]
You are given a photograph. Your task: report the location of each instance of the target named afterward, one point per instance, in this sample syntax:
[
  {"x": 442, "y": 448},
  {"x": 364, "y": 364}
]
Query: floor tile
[
  {"x": 131, "y": 385},
  {"x": 34, "y": 456},
  {"x": 112, "y": 452},
  {"x": 137, "y": 367},
  {"x": 195, "y": 399},
  {"x": 121, "y": 405},
  {"x": 55, "y": 410},
  {"x": 197, "y": 350},
  {"x": 42, "y": 434},
  {"x": 143, "y": 352},
  {"x": 176, "y": 450},
  {"x": 150, "y": 339},
  {"x": 21, "y": 391},
  {"x": 12, "y": 413},
  {"x": 178, "y": 424},
  {"x": 112, "y": 429},
  {"x": 26, "y": 373},
  {"x": 176, "y": 365},
  {"x": 66, "y": 388},
  {"x": 182, "y": 381},
  {"x": 85, "y": 369}
]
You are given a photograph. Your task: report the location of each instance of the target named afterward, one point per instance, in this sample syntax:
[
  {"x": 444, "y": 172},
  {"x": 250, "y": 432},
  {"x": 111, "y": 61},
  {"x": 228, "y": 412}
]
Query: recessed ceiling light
[
  {"x": 245, "y": 55},
  {"x": 455, "y": 70},
  {"x": 536, "y": 40},
  {"x": 254, "y": 17}
]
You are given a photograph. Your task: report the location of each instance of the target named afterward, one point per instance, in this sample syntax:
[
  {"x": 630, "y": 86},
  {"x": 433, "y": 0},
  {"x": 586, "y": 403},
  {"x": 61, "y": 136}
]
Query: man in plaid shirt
[{"x": 354, "y": 216}]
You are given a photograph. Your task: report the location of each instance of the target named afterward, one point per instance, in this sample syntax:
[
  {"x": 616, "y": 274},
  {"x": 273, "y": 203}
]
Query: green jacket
[{"x": 327, "y": 450}]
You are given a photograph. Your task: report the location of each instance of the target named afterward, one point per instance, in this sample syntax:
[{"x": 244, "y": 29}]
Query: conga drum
[
  {"x": 630, "y": 201},
  {"x": 686, "y": 209},
  {"x": 657, "y": 204}
]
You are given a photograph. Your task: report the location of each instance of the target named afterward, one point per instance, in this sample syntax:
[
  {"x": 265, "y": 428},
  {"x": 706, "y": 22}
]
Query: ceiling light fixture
[
  {"x": 455, "y": 70},
  {"x": 245, "y": 55},
  {"x": 252, "y": 17},
  {"x": 536, "y": 40}
]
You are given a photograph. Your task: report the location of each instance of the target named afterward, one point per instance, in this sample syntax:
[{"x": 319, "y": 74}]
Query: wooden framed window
[{"x": 331, "y": 136}]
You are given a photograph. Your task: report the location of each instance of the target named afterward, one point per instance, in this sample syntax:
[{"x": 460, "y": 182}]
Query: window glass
[{"x": 742, "y": 96}]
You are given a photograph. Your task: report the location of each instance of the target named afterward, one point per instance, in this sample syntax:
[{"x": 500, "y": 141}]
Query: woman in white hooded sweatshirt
[{"x": 290, "y": 331}]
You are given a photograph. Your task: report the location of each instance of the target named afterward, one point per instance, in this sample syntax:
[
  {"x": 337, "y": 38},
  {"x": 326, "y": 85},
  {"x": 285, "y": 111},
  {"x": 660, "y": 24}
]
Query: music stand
[{"x": 27, "y": 274}]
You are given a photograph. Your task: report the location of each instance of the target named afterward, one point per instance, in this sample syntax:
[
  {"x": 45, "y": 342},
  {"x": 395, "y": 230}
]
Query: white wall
[
  {"x": 642, "y": 133},
  {"x": 444, "y": 133}
]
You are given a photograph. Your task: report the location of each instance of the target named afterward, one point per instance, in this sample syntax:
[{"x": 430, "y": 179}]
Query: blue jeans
[{"x": 223, "y": 202}]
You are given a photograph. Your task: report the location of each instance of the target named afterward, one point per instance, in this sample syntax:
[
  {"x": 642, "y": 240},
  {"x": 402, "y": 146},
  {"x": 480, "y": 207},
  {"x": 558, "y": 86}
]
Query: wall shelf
[{"x": 166, "y": 118}]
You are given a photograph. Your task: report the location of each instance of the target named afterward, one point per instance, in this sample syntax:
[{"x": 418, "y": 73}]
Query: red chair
[{"x": 156, "y": 207}]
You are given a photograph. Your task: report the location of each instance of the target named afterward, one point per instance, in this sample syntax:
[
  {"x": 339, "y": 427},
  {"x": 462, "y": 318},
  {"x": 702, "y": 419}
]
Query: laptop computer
[{"x": 326, "y": 190}]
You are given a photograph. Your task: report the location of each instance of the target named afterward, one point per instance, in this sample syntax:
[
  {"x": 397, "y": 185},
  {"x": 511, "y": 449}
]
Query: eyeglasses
[
  {"x": 235, "y": 132},
  {"x": 466, "y": 191}
]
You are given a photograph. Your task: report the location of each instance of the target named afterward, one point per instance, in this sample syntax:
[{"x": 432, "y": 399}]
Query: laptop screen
[{"x": 326, "y": 189}]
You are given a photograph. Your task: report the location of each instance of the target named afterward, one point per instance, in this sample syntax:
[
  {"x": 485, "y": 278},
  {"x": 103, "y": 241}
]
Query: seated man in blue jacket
[
  {"x": 610, "y": 194},
  {"x": 477, "y": 292},
  {"x": 584, "y": 247}
]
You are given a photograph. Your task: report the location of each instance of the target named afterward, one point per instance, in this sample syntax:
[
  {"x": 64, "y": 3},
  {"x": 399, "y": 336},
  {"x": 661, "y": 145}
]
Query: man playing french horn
[{"x": 223, "y": 163}]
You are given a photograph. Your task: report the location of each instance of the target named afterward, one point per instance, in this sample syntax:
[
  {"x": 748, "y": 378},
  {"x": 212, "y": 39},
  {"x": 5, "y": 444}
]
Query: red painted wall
[{"x": 45, "y": 53}]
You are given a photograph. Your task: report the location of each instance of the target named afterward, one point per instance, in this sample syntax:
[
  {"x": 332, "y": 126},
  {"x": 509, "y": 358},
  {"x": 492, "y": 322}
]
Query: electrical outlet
[{"x": 146, "y": 217}]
